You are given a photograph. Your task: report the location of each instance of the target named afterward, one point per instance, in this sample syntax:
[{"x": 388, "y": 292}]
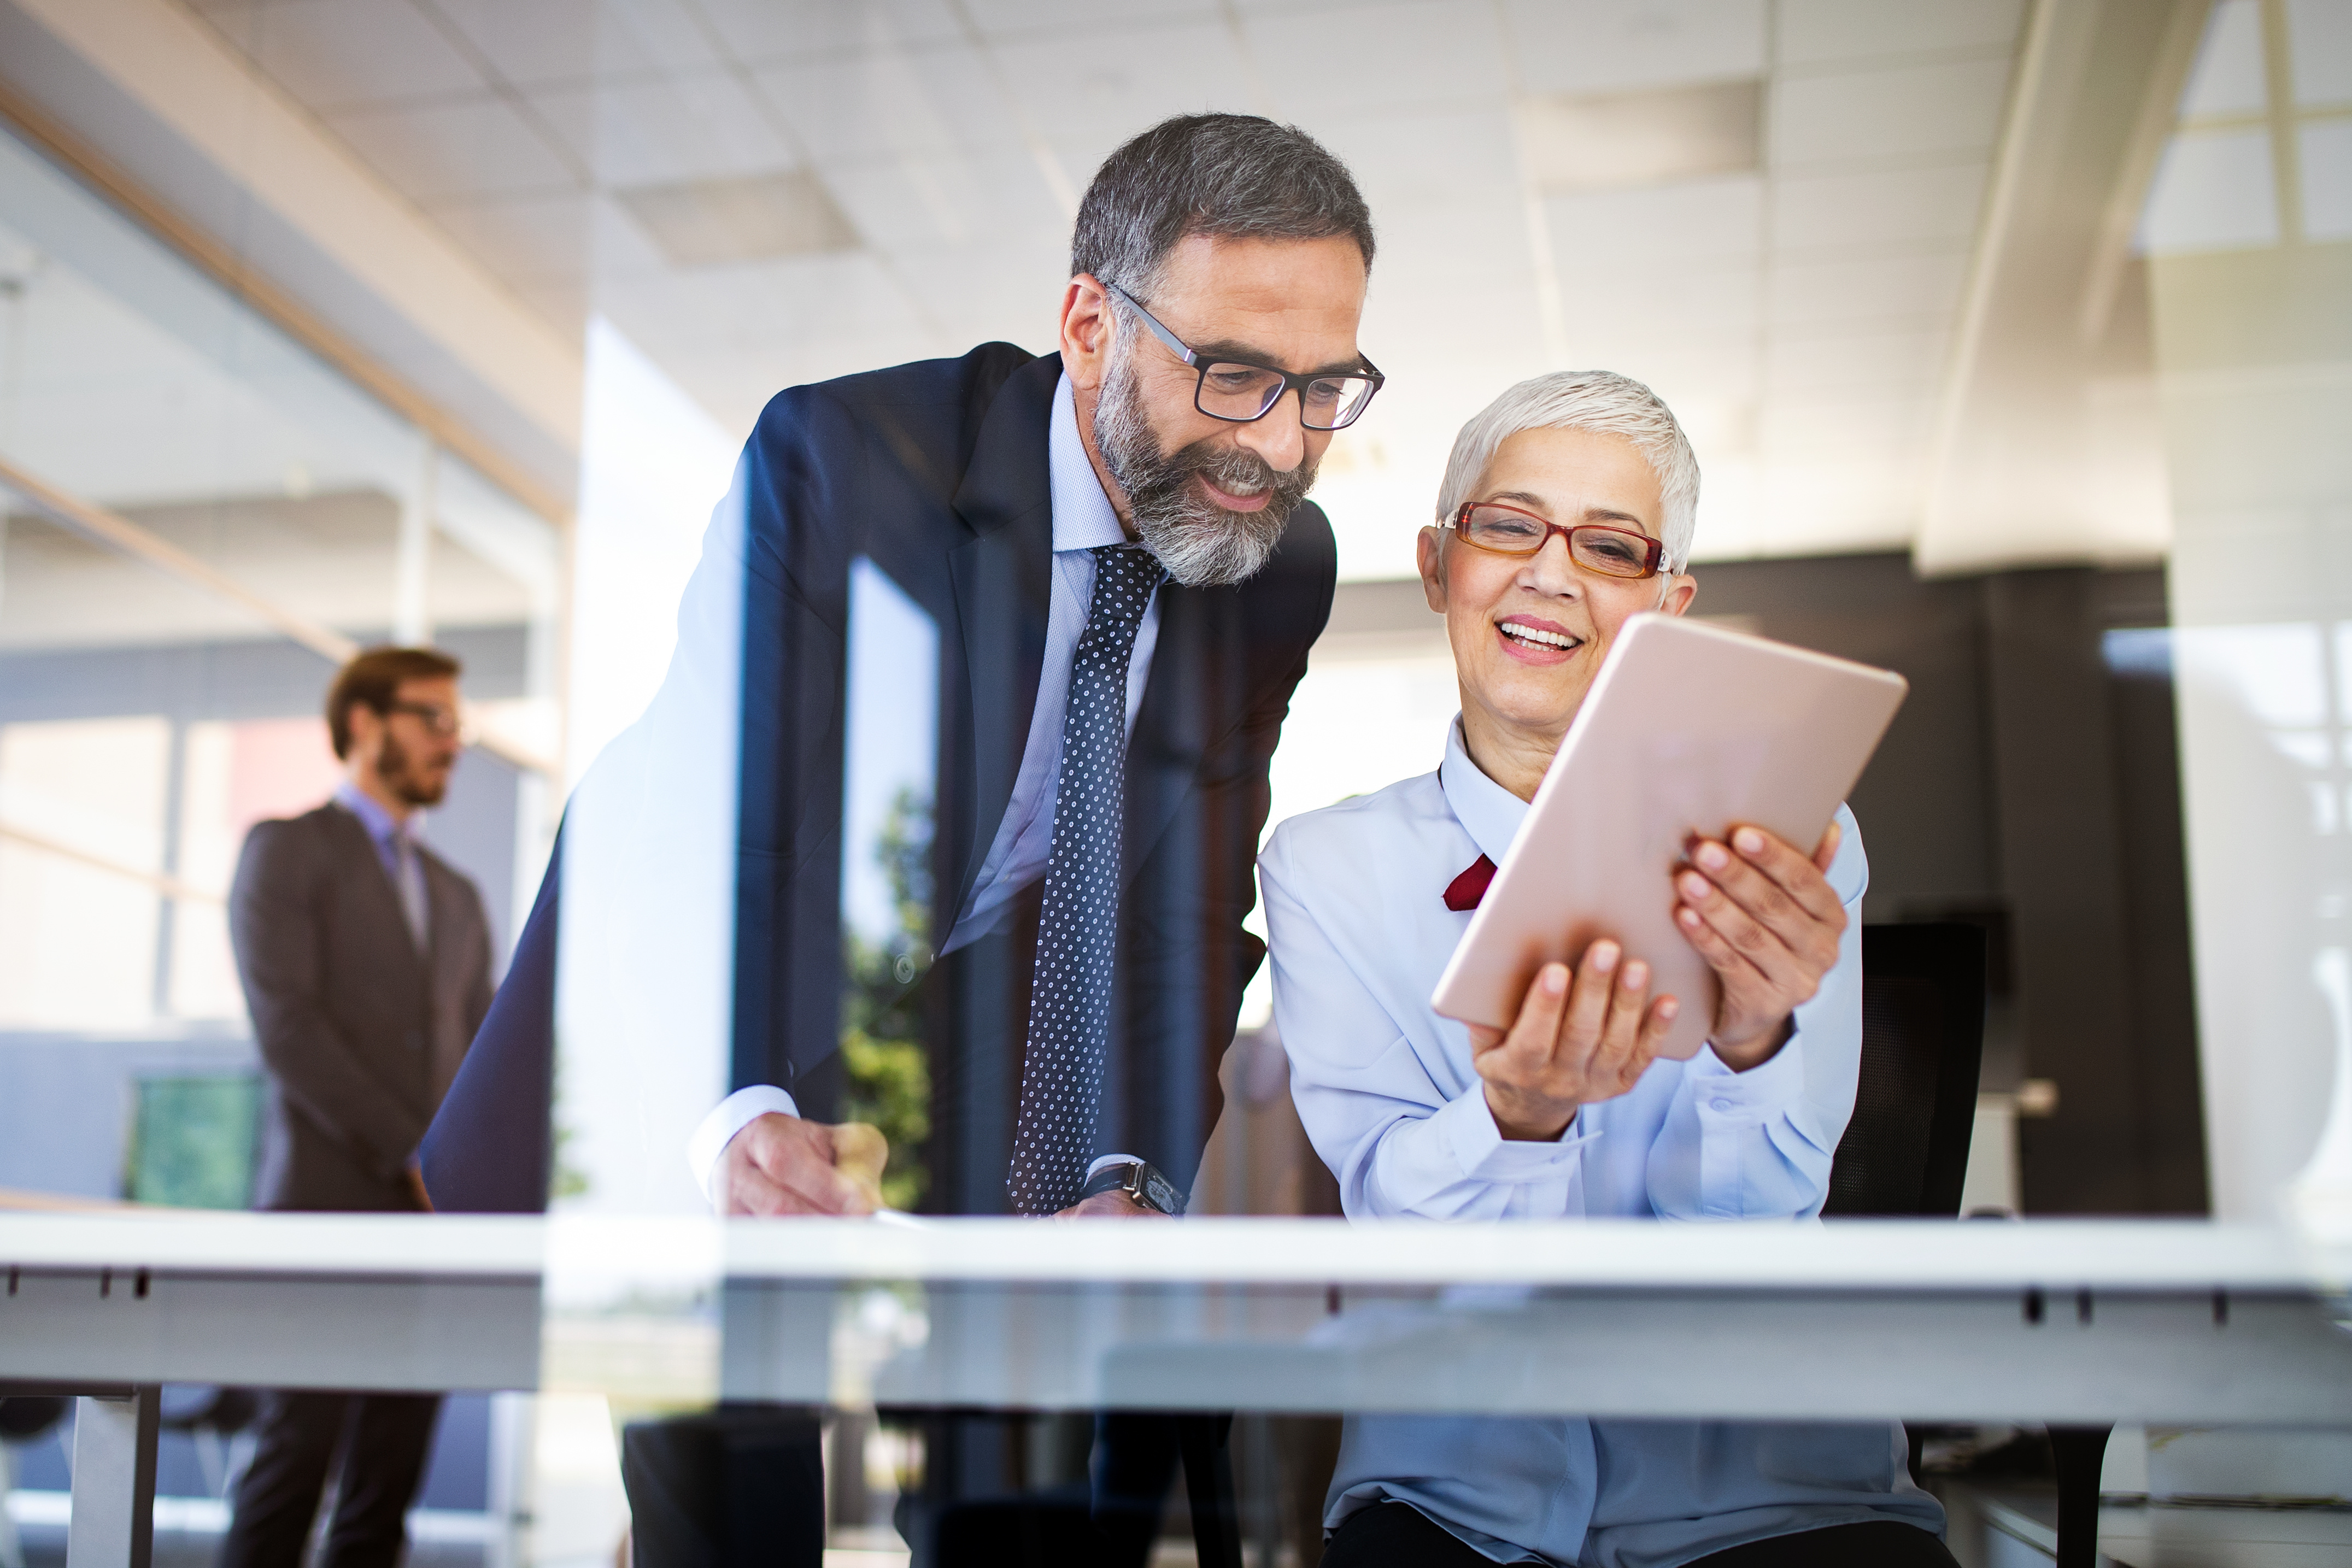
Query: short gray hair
[
  {"x": 1598, "y": 401},
  {"x": 1233, "y": 176}
]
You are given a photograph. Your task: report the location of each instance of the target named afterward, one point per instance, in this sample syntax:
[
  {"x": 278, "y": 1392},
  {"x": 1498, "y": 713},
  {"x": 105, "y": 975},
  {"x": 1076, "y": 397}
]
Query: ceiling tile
[
  {"x": 537, "y": 239},
  {"x": 1821, "y": 212},
  {"x": 1103, "y": 87},
  {"x": 1013, "y": 18},
  {"x": 701, "y": 224},
  {"x": 1614, "y": 46},
  {"x": 1812, "y": 31},
  {"x": 937, "y": 99},
  {"x": 332, "y": 54},
  {"x": 701, "y": 126},
  {"x": 1901, "y": 359},
  {"x": 1427, "y": 155},
  {"x": 1700, "y": 222},
  {"x": 926, "y": 200},
  {"x": 759, "y": 304},
  {"x": 533, "y": 43},
  {"x": 1626, "y": 309},
  {"x": 1948, "y": 105},
  {"x": 760, "y": 31},
  {"x": 1389, "y": 56},
  {"x": 1609, "y": 141},
  {"x": 1807, "y": 293},
  {"x": 438, "y": 151}
]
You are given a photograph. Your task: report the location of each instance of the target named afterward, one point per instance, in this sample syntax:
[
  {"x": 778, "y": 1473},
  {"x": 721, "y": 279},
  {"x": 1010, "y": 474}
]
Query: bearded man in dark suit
[
  {"x": 1114, "y": 544},
  {"x": 366, "y": 964}
]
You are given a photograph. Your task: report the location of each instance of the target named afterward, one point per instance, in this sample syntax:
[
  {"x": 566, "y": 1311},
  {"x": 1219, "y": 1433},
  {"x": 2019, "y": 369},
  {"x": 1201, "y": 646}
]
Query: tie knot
[{"x": 1129, "y": 569}]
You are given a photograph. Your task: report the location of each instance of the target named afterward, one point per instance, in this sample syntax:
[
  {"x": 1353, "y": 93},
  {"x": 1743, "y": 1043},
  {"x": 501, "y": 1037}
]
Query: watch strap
[{"x": 1141, "y": 1180}]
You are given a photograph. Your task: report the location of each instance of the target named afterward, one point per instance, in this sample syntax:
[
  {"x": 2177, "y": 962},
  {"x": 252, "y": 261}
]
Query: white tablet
[{"x": 1687, "y": 729}]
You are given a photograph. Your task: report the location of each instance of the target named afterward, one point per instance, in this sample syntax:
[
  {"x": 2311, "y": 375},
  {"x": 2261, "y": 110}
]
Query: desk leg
[
  {"x": 2080, "y": 1452},
  {"x": 113, "y": 1519}
]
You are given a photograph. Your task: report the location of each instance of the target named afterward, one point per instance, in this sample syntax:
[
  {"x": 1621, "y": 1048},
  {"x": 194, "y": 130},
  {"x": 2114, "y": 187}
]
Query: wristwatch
[{"x": 1141, "y": 1180}]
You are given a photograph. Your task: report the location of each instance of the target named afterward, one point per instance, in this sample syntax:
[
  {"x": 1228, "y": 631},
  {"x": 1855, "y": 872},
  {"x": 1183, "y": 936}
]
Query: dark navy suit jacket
[{"x": 936, "y": 472}]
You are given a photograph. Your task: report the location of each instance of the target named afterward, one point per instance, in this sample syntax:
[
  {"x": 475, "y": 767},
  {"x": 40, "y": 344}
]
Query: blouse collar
[{"x": 1489, "y": 813}]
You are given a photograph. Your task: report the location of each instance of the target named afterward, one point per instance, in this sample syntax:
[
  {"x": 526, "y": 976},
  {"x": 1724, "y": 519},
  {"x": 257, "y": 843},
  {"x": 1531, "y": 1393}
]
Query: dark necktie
[{"x": 1078, "y": 934}]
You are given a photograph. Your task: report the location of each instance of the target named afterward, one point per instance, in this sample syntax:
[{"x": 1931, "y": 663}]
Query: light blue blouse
[{"x": 1359, "y": 933}]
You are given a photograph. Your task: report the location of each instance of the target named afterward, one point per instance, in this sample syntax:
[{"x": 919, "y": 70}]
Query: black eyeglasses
[
  {"x": 436, "y": 720},
  {"x": 1240, "y": 393}
]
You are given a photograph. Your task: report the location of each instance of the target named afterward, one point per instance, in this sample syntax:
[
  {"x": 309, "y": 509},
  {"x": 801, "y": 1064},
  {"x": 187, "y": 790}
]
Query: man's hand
[
  {"x": 1767, "y": 921},
  {"x": 1116, "y": 1203},
  {"x": 413, "y": 1175},
  {"x": 782, "y": 1164},
  {"x": 1570, "y": 1047}
]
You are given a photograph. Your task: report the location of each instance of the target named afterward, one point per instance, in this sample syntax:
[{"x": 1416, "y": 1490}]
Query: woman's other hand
[
  {"x": 1574, "y": 1044},
  {"x": 1764, "y": 917}
]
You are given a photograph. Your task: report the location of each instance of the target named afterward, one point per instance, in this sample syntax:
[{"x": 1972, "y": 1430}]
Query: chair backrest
[{"x": 1906, "y": 1152}]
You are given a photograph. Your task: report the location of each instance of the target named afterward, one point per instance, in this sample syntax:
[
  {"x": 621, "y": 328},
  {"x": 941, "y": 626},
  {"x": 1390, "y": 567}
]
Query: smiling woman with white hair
[{"x": 1568, "y": 508}]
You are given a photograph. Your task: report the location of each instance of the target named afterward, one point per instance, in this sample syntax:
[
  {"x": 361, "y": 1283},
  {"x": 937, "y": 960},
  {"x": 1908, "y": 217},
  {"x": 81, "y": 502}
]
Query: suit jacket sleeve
[{"x": 273, "y": 925}]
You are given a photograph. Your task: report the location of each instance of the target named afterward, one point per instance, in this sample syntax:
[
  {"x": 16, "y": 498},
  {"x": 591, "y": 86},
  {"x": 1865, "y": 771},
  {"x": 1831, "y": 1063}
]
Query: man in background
[{"x": 366, "y": 963}]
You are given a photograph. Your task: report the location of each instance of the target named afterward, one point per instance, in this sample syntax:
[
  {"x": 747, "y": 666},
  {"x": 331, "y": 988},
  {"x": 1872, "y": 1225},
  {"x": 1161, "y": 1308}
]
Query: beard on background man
[
  {"x": 1202, "y": 544},
  {"x": 417, "y": 784}
]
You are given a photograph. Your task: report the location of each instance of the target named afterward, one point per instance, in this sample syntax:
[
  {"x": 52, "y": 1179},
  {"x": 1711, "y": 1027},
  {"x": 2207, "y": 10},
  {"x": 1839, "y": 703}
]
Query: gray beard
[{"x": 1202, "y": 545}]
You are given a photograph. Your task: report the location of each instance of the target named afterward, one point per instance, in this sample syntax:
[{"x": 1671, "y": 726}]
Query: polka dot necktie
[{"x": 1077, "y": 934}]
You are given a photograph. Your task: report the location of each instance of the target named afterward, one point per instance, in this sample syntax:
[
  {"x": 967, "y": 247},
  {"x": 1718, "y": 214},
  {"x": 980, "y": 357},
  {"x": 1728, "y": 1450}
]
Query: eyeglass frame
[
  {"x": 1653, "y": 562},
  {"x": 1290, "y": 382},
  {"x": 440, "y": 722}
]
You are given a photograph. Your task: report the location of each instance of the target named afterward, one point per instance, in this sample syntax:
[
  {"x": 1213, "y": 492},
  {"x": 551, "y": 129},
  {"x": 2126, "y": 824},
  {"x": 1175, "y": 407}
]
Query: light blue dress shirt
[
  {"x": 1359, "y": 933},
  {"x": 1083, "y": 520},
  {"x": 395, "y": 847}
]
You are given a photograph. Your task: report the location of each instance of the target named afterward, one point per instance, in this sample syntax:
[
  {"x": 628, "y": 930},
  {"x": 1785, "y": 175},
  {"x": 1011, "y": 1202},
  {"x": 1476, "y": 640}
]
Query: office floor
[{"x": 2014, "y": 1526}]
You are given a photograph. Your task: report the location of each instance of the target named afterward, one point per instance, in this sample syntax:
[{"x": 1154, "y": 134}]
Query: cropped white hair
[{"x": 1598, "y": 401}]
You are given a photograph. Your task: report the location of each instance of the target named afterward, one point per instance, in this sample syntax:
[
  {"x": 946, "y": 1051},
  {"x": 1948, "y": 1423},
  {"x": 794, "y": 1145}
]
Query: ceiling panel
[
  {"x": 540, "y": 42},
  {"x": 1411, "y": 158},
  {"x": 1796, "y": 312},
  {"x": 760, "y": 31},
  {"x": 699, "y": 125},
  {"x": 1838, "y": 290},
  {"x": 1881, "y": 207},
  {"x": 1691, "y": 223},
  {"x": 1816, "y": 31},
  {"x": 1427, "y": 52},
  {"x": 1945, "y": 106},
  {"x": 456, "y": 148},
  {"x": 1099, "y": 88},
  {"x": 335, "y": 54},
  {"x": 925, "y": 200},
  {"x": 1017, "y": 18},
  {"x": 1612, "y": 45},
  {"x": 932, "y": 99}
]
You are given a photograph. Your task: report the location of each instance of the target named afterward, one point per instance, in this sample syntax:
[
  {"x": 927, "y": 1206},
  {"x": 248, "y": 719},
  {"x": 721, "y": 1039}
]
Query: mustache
[{"x": 1238, "y": 471}]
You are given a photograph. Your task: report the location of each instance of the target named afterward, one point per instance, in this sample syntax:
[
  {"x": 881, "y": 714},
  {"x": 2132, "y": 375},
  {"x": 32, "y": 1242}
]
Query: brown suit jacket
[{"x": 360, "y": 1032}]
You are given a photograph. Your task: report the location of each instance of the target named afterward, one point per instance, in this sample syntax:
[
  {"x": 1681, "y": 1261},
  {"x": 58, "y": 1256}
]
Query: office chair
[{"x": 1906, "y": 1152}]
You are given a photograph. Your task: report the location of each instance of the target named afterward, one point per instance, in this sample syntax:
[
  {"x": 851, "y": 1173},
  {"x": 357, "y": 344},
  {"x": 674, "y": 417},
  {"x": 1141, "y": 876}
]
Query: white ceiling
[{"x": 1796, "y": 314}]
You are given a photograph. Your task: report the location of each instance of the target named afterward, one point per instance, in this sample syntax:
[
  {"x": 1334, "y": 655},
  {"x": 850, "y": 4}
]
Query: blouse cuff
[
  {"x": 1729, "y": 1099},
  {"x": 1467, "y": 1126}
]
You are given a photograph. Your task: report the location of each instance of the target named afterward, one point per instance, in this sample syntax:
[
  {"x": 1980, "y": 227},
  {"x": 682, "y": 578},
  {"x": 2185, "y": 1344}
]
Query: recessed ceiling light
[
  {"x": 1648, "y": 138},
  {"x": 705, "y": 223}
]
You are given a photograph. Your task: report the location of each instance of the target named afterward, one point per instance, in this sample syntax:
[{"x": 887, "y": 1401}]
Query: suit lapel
[{"x": 1003, "y": 590}]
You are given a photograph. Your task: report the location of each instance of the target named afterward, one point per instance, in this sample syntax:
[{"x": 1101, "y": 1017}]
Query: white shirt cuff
[
  {"x": 1466, "y": 1125},
  {"x": 1728, "y": 1099},
  {"x": 734, "y": 1113}
]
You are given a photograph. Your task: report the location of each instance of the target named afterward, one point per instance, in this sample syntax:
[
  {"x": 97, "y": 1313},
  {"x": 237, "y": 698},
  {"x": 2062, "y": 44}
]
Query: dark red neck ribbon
[{"x": 1465, "y": 891}]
